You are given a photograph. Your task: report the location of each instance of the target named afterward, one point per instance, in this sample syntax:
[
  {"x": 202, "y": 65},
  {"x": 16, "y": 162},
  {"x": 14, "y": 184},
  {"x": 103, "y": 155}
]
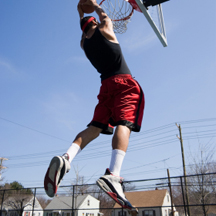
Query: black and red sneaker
[
  {"x": 58, "y": 167},
  {"x": 113, "y": 186}
]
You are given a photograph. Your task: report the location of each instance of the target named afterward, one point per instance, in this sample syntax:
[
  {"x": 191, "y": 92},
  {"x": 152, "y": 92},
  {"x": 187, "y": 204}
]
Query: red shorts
[{"x": 121, "y": 102}]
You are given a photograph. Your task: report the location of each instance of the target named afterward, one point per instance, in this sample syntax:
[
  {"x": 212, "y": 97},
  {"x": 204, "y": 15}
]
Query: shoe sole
[
  {"x": 52, "y": 176},
  {"x": 108, "y": 191}
]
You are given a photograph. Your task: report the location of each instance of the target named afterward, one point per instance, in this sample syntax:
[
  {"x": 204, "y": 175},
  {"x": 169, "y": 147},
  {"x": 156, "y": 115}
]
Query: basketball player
[{"x": 120, "y": 105}]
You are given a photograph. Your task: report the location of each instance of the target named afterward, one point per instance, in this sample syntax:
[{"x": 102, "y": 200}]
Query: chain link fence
[{"x": 192, "y": 195}]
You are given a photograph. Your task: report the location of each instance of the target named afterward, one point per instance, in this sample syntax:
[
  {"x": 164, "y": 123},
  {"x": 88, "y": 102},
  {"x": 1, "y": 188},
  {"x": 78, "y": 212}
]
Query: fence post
[
  {"x": 2, "y": 202},
  {"x": 183, "y": 195},
  {"x": 73, "y": 202},
  {"x": 33, "y": 202}
]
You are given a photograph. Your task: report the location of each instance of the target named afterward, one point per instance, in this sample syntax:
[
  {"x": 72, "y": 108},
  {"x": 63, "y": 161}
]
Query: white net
[
  {"x": 120, "y": 12},
  {"x": 156, "y": 15}
]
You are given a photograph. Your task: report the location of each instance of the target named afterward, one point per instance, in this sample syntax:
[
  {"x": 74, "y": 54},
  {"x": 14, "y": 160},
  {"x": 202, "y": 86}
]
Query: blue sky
[{"x": 48, "y": 89}]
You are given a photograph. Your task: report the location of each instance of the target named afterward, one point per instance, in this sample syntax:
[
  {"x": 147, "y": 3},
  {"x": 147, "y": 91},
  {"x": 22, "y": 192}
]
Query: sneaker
[
  {"x": 58, "y": 167},
  {"x": 113, "y": 186}
]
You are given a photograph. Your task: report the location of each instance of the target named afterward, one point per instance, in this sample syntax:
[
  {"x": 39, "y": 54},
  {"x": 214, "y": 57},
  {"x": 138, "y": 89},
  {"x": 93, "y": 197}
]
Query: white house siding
[
  {"x": 118, "y": 212},
  {"x": 83, "y": 209},
  {"x": 38, "y": 211},
  {"x": 167, "y": 202},
  {"x": 89, "y": 207}
]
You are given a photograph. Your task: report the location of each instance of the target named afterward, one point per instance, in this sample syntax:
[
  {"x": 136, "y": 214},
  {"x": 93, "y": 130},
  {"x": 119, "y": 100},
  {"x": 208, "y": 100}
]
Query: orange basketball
[{"x": 86, "y": 8}]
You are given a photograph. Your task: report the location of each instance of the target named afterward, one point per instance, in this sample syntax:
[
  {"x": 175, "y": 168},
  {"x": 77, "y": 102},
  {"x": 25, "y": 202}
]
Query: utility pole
[{"x": 184, "y": 168}]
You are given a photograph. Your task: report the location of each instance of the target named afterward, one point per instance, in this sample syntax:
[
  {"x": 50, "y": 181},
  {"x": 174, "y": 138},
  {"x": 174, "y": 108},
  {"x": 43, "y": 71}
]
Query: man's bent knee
[
  {"x": 95, "y": 131},
  {"x": 87, "y": 135}
]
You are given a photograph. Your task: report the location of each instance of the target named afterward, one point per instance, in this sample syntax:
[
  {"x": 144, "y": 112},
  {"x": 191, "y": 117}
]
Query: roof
[
  {"x": 151, "y": 198},
  {"x": 212, "y": 209},
  {"x": 65, "y": 202}
]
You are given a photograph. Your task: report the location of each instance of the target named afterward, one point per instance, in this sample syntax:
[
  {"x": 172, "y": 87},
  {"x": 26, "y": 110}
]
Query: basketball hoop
[{"x": 120, "y": 12}]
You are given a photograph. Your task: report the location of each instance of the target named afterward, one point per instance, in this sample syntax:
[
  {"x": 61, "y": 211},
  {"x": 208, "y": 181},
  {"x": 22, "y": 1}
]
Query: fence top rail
[
  {"x": 173, "y": 177},
  {"x": 140, "y": 180}
]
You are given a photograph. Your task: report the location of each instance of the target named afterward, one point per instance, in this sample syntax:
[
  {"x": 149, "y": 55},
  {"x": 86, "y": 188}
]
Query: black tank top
[{"x": 105, "y": 56}]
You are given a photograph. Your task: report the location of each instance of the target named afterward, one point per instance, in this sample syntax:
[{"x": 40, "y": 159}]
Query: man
[{"x": 121, "y": 104}]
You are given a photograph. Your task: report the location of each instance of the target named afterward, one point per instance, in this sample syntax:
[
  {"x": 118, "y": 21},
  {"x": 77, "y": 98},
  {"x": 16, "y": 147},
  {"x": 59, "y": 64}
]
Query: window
[
  {"x": 166, "y": 213},
  {"x": 88, "y": 202},
  {"x": 167, "y": 198},
  {"x": 148, "y": 213}
]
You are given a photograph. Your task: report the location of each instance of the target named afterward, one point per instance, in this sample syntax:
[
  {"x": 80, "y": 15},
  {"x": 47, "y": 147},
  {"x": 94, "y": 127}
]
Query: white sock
[
  {"x": 73, "y": 150},
  {"x": 116, "y": 161}
]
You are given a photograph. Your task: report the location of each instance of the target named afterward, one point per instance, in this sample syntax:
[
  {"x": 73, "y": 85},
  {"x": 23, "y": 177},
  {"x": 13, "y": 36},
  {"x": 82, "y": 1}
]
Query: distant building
[
  {"x": 22, "y": 204},
  {"x": 149, "y": 203},
  {"x": 211, "y": 211},
  {"x": 85, "y": 205}
]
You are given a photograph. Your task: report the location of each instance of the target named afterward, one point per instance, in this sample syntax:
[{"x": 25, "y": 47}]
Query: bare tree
[
  {"x": 81, "y": 187},
  {"x": 201, "y": 186},
  {"x": 80, "y": 184},
  {"x": 43, "y": 201},
  {"x": 201, "y": 183},
  {"x": 16, "y": 197},
  {"x": 2, "y": 168},
  {"x": 178, "y": 196},
  {"x": 106, "y": 203},
  {"x": 17, "y": 202}
]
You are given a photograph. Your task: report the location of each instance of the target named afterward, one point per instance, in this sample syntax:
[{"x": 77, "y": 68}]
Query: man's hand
[
  {"x": 81, "y": 13},
  {"x": 100, "y": 12}
]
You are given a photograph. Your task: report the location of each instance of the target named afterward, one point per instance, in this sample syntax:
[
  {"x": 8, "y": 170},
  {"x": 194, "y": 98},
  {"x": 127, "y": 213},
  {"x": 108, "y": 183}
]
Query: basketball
[{"x": 86, "y": 8}]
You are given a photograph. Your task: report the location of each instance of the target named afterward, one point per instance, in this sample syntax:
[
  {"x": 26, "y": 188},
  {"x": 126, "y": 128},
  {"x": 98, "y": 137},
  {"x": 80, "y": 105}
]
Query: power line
[
  {"x": 160, "y": 136},
  {"x": 32, "y": 129}
]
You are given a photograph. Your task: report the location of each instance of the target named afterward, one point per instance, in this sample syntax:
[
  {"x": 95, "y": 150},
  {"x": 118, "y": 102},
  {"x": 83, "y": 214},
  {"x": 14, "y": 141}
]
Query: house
[
  {"x": 149, "y": 203},
  {"x": 84, "y": 205},
  {"x": 211, "y": 211},
  {"x": 25, "y": 205}
]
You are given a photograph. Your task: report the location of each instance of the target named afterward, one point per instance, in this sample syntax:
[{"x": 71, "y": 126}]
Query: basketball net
[{"x": 120, "y": 12}]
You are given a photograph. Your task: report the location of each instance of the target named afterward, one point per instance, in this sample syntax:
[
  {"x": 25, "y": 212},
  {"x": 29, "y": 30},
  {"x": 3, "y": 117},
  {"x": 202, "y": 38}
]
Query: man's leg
[
  {"x": 60, "y": 165},
  {"x": 119, "y": 144},
  {"x": 111, "y": 182},
  {"x": 87, "y": 135},
  {"x": 81, "y": 140}
]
